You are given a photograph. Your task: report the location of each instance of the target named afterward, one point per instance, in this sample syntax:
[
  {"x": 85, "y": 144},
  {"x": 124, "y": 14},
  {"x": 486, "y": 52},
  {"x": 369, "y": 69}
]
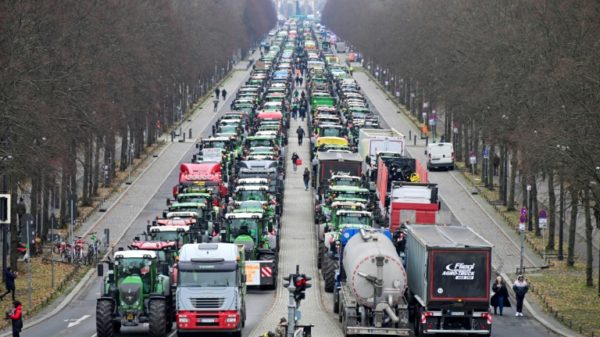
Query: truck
[
  {"x": 371, "y": 283},
  {"x": 372, "y": 141},
  {"x": 417, "y": 203},
  {"x": 336, "y": 163},
  {"x": 211, "y": 289},
  {"x": 207, "y": 175},
  {"x": 448, "y": 270}
]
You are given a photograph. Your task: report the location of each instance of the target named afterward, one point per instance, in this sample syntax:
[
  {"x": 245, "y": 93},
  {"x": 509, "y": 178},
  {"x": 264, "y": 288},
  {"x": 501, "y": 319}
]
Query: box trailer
[
  {"x": 373, "y": 141},
  {"x": 449, "y": 270}
]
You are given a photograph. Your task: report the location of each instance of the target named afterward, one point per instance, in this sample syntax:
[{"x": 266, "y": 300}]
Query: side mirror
[
  {"x": 425, "y": 152},
  {"x": 197, "y": 145},
  {"x": 136, "y": 238},
  {"x": 100, "y": 269},
  {"x": 194, "y": 157},
  {"x": 168, "y": 201}
]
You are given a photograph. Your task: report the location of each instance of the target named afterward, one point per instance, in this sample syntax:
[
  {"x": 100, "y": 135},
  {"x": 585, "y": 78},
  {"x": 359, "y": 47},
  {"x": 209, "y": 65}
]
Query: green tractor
[{"x": 134, "y": 292}]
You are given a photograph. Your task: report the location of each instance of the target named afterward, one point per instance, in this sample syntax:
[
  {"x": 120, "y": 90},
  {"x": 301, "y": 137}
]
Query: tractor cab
[
  {"x": 252, "y": 192},
  {"x": 251, "y": 231},
  {"x": 177, "y": 234}
]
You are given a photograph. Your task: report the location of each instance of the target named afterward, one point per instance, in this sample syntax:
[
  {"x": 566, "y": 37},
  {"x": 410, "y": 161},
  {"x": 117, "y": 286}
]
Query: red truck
[
  {"x": 201, "y": 175},
  {"x": 403, "y": 192}
]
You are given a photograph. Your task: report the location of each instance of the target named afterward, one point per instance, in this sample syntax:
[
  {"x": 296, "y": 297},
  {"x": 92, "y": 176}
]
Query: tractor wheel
[
  {"x": 328, "y": 268},
  {"x": 320, "y": 248},
  {"x": 116, "y": 327},
  {"x": 104, "y": 324},
  {"x": 336, "y": 302},
  {"x": 157, "y": 318}
]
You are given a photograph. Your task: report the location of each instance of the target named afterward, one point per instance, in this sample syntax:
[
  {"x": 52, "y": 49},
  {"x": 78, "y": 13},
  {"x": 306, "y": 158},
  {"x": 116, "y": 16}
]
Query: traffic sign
[
  {"x": 486, "y": 153},
  {"x": 524, "y": 211},
  {"x": 543, "y": 223},
  {"x": 521, "y": 226},
  {"x": 472, "y": 159}
]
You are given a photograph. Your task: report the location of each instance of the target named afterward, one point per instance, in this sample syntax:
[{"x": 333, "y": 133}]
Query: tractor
[{"x": 134, "y": 292}]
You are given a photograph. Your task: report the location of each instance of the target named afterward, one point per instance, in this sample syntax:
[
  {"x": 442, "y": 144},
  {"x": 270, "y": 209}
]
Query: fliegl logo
[{"x": 460, "y": 271}]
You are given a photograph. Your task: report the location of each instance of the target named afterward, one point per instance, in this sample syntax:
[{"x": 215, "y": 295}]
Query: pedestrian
[
  {"x": 301, "y": 80},
  {"x": 306, "y": 178},
  {"x": 16, "y": 316},
  {"x": 216, "y": 104},
  {"x": 281, "y": 329},
  {"x": 295, "y": 93},
  {"x": 300, "y": 133},
  {"x": 302, "y": 112},
  {"x": 521, "y": 288},
  {"x": 224, "y": 93},
  {"x": 217, "y": 92},
  {"x": 295, "y": 159},
  {"x": 497, "y": 164},
  {"x": 500, "y": 298},
  {"x": 297, "y": 80},
  {"x": 315, "y": 165},
  {"x": 9, "y": 282},
  {"x": 295, "y": 112}
]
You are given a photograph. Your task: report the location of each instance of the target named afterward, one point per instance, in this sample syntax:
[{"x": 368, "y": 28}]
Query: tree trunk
[
  {"x": 502, "y": 174},
  {"x": 96, "y": 169},
  {"x": 124, "y": 149},
  {"x": 551, "y": 211},
  {"x": 524, "y": 201},
  {"x": 589, "y": 261},
  {"x": 490, "y": 167},
  {"x": 46, "y": 203},
  {"x": 64, "y": 194},
  {"x": 535, "y": 206},
  {"x": 572, "y": 226},
  {"x": 87, "y": 156},
  {"x": 15, "y": 226},
  {"x": 561, "y": 218},
  {"x": 465, "y": 142},
  {"x": 510, "y": 205}
]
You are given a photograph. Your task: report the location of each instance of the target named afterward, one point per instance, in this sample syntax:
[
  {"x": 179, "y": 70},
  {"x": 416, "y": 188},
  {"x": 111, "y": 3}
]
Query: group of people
[
  {"x": 500, "y": 298},
  {"x": 218, "y": 92}
]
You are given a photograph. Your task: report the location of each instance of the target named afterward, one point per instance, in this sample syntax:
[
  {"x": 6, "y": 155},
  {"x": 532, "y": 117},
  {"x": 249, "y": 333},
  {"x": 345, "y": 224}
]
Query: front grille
[
  {"x": 129, "y": 293},
  {"x": 207, "y": 303}
]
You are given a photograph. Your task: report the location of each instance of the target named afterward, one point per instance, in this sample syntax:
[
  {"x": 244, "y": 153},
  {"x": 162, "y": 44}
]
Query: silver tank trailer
[{"x": 361, "y": 255}]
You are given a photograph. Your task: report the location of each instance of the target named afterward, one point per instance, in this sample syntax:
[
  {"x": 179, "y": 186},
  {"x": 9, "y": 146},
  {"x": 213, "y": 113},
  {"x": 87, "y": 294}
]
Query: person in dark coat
[
  {"x": 217, "y": 92},
  {"x": 300, "y": 132},
  {"x": 16, "y": 316},
  {"x": 224, "y": 93},
  {"x": 306, "y": 178},
  {"x": 521, "y": 287},
  {"x": 302, "y": 112},
  {"x": 500, "y": 298},
  {"x": 295, "y": 158},
  {"x": 9, "y": 282}
]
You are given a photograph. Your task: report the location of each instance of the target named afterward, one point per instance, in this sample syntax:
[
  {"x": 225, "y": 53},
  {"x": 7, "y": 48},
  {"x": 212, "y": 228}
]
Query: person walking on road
[
  {"x": 9, "y": 282},
  {"x": 16, "y": 316},
  {"x": 217, "y": 92},
  {"x": 281, "y": 329},
  {"x": 500, "y": 298},
  {"x": 306, "y": 178},
  {"x": 295, "y": 112},
  {"x": 216, "y": 104},
  {"x": 302, "y": 112},
  {"x": 521, "y": 288},
  {"x": 295, "y": 159},
  {"x": 300, "y": 133},
  {"x": 224, "y": 93}
]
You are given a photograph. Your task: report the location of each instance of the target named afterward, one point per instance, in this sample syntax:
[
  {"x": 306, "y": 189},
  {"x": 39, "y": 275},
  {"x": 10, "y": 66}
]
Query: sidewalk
[
  {"x": 124, "y": 207},
  {"x": 469, "y": 209},
  {"x": 298, "y": 247}
]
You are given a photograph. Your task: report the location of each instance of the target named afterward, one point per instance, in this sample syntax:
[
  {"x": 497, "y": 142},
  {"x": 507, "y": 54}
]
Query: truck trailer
[
  {"x": 448, "y": 270},
  {"x": 373, "y": 141}
]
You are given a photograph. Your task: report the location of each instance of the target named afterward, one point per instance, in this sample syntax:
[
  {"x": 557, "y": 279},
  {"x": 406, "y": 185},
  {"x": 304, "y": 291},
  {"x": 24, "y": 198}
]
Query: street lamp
[{"x": 522, "y": 220}]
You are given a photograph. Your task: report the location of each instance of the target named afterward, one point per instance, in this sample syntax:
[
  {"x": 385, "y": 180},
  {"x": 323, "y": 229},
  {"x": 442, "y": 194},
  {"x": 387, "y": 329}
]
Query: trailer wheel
[
  {"x": 328, "y": 268},
  {"x": 320, "y": 248},
  {"x": 336, "y": 301},
  {"x": 104, "y": 324},
  {"x": 157, "y": 319}
]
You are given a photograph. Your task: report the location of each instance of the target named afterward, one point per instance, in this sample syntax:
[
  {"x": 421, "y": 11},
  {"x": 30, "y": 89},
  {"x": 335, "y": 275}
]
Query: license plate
[
  {"x": 207, "y": 320},
  {"x": 130, "y": 317},
  {"x": 435, "y": 159},
  {"x": 457, "y": 313}
]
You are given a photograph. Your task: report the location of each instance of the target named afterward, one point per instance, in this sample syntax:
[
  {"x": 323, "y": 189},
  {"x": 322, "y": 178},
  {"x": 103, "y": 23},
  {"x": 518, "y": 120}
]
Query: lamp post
[{"x": 522, "y": 220}]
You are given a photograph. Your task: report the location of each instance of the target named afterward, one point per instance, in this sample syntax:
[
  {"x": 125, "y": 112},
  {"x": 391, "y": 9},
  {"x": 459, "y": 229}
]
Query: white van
[{"x": 440, "y": 155}]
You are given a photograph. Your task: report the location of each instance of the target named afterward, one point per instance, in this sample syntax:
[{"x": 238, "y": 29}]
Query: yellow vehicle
[{"x": 339, "y": 141}]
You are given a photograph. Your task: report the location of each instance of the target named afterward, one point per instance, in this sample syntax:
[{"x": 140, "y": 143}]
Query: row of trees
[
  {"x": 519, "y": 77},
  {"x": 80, "y": 76}
]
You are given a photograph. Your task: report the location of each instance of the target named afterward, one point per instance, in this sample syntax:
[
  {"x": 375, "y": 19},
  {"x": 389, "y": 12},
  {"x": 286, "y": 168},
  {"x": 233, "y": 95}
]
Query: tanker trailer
[{"x": 369, "y": 298}]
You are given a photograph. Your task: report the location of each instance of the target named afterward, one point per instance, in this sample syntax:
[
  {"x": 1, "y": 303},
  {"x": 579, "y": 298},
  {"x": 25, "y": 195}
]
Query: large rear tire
[
  {"x": 157, "y": 318},
  {"x": 104, "y": 324},
  {"x": 328, "y": 269},
  {"x": 320, "y": 248}
]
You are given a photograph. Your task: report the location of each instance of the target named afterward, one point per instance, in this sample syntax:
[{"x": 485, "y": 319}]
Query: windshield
[
  {"x": 331, "y": 132},
  {"x": 215, "y": 144},
  {"x": 133, "y": 266},
  {"x": 227, "y": 129},
  {"x": 354, "y": 219},
  {"x": 252, "y": 195},
  {"x": 167, "y": 236},
  {"x": 195, "y": 199},
  {"x": 345, "y": 182},
  {"x": 261, "y": 142},
  {"x": 239, "y": 227},
  {"x": 189, "y": 278}
]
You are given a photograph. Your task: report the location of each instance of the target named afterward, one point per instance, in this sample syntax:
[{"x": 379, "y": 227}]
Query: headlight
[
  {"x": 231, "y": 319},
  {"x": 183, "y": 319}
]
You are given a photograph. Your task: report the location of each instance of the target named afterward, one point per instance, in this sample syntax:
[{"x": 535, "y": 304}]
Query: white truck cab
[{"x": 440, "y": 155}]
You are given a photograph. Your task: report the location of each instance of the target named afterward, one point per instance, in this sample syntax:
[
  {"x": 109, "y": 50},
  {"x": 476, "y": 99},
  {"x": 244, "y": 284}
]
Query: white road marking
[{"x": 77, "y": 321}]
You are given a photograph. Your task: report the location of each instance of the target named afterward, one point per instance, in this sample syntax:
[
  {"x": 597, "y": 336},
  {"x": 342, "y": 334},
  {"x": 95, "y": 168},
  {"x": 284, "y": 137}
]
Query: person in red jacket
[{"x": 16, "y": 316}]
